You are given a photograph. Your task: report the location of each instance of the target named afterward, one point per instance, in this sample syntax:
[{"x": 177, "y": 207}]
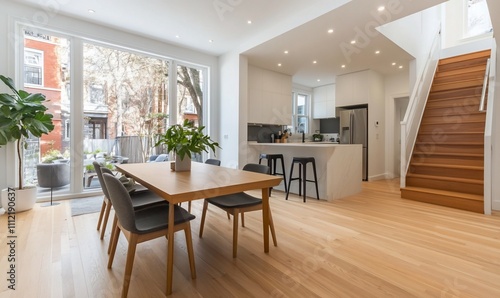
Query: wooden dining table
[{"x": 202, "y": 181}]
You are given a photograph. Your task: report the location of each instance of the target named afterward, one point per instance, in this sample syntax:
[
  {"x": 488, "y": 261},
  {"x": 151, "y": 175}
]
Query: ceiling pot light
[
  {"x": 330, "y": 31},
  {"x": 381, "y": 8},
  {"x": 286, "y": 52},
  {"x": 91, "y": 11}
]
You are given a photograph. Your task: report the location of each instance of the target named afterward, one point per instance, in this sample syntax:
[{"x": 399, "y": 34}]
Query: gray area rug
[{"x": 86, "y": 205}]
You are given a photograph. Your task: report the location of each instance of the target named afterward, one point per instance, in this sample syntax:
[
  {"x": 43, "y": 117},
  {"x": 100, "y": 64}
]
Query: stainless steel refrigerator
[{"x": 354, "y": 130}]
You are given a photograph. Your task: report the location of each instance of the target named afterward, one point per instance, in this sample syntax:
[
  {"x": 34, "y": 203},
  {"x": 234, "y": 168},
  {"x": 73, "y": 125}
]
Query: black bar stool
[
  {"x": 303, "y": 161},
  {"x": 271, "y": 163}
]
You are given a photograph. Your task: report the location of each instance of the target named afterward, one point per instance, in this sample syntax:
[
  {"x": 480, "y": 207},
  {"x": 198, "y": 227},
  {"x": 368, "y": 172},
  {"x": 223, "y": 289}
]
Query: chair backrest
[
  {"x": 212, "y": 161},
  {"x": 98, "y": 169},
  {"x": 161, "y": 157},
  {"x": 255, "y": 167},
  {"x": 122, "y": 203}
]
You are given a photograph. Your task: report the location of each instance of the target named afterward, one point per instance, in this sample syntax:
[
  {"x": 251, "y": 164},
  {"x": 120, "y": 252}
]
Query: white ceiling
[{"x": 298, "y": 26}]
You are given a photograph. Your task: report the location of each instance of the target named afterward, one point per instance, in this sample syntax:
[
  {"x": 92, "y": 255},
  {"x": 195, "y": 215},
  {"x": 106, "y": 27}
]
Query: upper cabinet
[
  {"x": 269, "y": 97},
  {"x": 323, "y": 102},
  {"x": 354, "y": 88}
]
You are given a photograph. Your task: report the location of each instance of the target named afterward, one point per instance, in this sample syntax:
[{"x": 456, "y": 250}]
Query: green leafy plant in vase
[
  {"x": 21, "y": 114},
  {"x": 184, "y": 140}
]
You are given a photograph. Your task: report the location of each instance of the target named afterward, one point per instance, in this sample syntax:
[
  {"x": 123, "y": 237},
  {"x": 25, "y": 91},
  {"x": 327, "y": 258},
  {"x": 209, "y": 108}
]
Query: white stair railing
[{"x": 416, "y": 105}]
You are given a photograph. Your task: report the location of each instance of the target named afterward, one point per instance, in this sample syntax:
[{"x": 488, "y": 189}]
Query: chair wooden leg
[
  {"x": 101, "y": 214},
  {"x": 113, "y": 231},
  {"x": 228, "y": 216},
  {"x": 203, "y": 215},
  {"x": 271, "y": 225},
  {"x": 114, "y": 243},
  {"x": 243, "y": 219},
  {"x": 132, "y": 244},
  {"x": 189, "y": 206},
  {"x": 189, "y": 244},
  {"x": 106, "y": 217},
  {"x": 235, "y": 233}
]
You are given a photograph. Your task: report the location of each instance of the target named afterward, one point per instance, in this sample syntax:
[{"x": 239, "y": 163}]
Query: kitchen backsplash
[{"x": 262, "y": 132}]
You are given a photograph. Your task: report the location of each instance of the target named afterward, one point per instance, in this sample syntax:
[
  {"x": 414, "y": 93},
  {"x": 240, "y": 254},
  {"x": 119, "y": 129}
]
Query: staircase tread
[
  {"x": 451, "y": 154},
  {"x": 453, "y": 133},
  {"x": 451, "y": 143},
  {"x": 466, "y": 196},
  {"x": 454, "y": 179},
  {"x": 448, "y": 166}
]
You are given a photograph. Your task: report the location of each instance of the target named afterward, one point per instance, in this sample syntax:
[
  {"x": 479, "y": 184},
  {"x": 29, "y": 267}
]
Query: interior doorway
[{"x": 400, "y": 106}]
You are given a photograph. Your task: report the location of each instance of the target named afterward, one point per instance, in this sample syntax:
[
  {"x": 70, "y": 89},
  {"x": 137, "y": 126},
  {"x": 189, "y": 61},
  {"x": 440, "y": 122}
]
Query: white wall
[
  {"x": 11, "y": 12},
  {"x": 415, "y": 34},
  {"x": 229, "y": 106},
  {"x": 396, "y": 86},
  {"x": 376, "y": 133}
]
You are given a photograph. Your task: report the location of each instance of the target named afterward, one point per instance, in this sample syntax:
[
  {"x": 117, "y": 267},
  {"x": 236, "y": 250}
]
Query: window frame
[
  {"x": 466, "y": 30},
  {"x": 307, "y": 110},
  {"x": 39, "y": 66}
]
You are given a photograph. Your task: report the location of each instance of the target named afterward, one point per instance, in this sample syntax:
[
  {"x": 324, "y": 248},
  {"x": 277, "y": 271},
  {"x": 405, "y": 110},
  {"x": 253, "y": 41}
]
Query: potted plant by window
[
  {"x": 184, "y": 140},
  {"x": 21, "y": 113}
]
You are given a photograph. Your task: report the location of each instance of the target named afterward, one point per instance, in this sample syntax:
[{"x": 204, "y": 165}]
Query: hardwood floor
[{"x": 373, "y": 244}]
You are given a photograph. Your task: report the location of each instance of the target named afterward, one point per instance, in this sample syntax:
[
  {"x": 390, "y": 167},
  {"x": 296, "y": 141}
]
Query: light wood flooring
[{"x": 373, "y": 244}]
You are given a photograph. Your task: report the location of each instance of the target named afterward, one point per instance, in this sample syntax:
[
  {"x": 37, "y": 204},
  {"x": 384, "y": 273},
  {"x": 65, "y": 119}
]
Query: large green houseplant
[
  {"x": 184, "y": 140},
  {"x": 21, "y": 114}
]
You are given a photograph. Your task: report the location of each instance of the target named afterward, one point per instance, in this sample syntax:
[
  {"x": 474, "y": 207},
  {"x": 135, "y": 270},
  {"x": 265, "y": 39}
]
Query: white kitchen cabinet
[
  {"x": 353, "y": 88},
  {"x": 323, "y": 102},
  {"x": 269, "y": 97}
]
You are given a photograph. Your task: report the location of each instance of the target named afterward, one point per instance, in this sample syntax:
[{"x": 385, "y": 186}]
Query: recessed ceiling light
[
  {"x": 330, "y": 31},
  {"x": 343, "y": 65},
  {"x": 381, "y": 8},
  {"x": 177, "y": 36},
  {"x": 91, "y": 11},
  {"x": 393, "y": 63},
  {"x": 249, "y": 22},
  {"x": 279, "y": 64},
  {"x": 318, "y": 80},
  {"x": 210, "y": 40},
  {"x": 314, "y": 62},
  {"x": 377, "y": 52},
  {"x": 353, "y": 41},
  {"x": 401, "y": 66},
  {"x": 286, "y": 52}
]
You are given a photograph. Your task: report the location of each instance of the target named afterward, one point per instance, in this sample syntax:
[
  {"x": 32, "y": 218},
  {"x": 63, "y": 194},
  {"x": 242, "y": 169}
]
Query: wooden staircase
[{"x": 447, "y": 164}]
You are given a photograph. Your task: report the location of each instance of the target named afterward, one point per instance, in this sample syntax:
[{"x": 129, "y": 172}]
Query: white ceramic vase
[
  {"x": 20, "y": 200},
  {"x": 182, "y": 165}
]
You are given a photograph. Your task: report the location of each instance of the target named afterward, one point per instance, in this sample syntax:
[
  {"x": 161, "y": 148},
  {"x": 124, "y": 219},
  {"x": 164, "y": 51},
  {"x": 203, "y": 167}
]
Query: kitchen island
[{"x": 338, "y": 166}]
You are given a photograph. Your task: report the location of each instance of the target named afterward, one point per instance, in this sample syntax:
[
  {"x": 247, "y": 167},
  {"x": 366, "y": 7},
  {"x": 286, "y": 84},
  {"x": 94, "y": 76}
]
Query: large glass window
[
  {"x": 190, "y": 97},
  {"x": 124, "y": 102},
  {"x": 478, "y": 18},
  {"x": 300, "y": 112},
  {"x": 46, "y": 70}
]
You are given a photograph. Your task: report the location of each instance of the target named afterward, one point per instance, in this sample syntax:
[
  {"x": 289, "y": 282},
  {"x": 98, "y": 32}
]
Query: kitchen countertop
[{"x": 338, "y": 166}]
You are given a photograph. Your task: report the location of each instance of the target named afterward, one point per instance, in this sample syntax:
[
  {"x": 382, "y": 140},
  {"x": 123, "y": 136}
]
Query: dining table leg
[
  {"x": 265, "y": 217},
  {"x": 170, "y": 249}
]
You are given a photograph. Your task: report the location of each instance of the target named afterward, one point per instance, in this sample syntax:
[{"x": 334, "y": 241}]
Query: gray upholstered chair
[
  {"x": 141, "y": 197},
  {"x": 143, "y": 225},
  {"x": 213, "y": 161},
  {"x": 53, "y": 175},
  {"x": 239, "y": 203}
]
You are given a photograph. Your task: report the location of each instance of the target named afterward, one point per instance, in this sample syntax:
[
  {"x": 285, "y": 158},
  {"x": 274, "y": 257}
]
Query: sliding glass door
[
  {"x": 125, "y": 97},
  {"x": 46, "y": 70}
]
